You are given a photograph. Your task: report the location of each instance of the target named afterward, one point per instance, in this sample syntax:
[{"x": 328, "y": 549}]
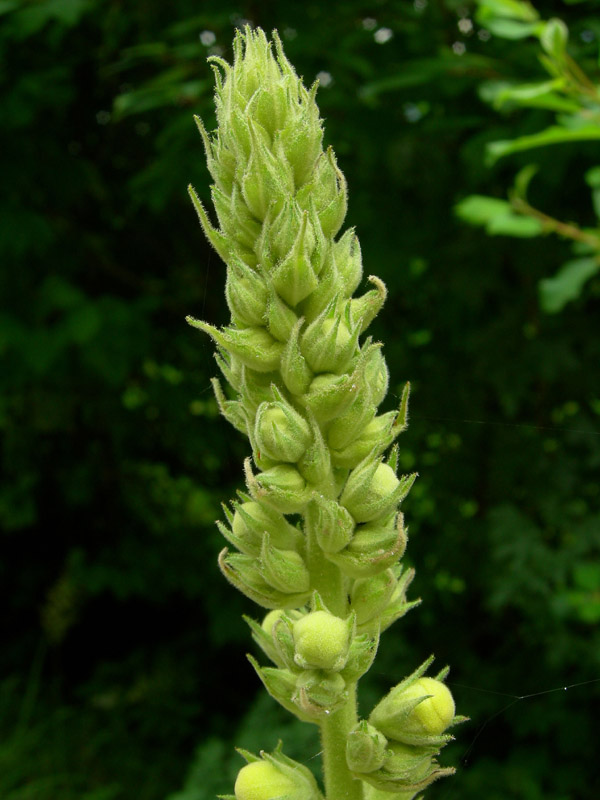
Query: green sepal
[
  {"x": 281, "y": 487},
  {"x": 315, "y": 463},
  {"x": 328, "y": 288},
  {"x": 266, "y": 177},
  {"x": 280, "y": 318},
  {"x": 363, "y": 310},
  {"x": 319, "y": 694},
  {"x": 253, "y": 346},
  {"x": 373, "y": 490},
  {"x": 376, "y": 435},
  {"x": 237, "y": 224},
  {"x": 252, "y": 520},
  {"x": 281, "y": 433},
  {"x": 281, "y": 685},
  {"x": 242, "y": 572},
  {"x": 231, "y": 368},
  {"x": 377, "y": 375},
  {"x": 398, "y": 605},
  {"x": 256, "y": 388},
  {"x": 284, "y": 570},
  {"x": 330, "y": 523},
  {"x": 221, "y": 174},
  {"x": 328, "y": 191},
  {"x": 246, "y": 295},
  {"x": 232, "y": 410},
  {"x": 329, "y": 395},
  {"x": 370, "y": 559},
  {"x": 330, "y": 342},
  {"x": 264, "y": 640},
  {"x": 294, "y": 277},
  {"x": 365, "y": 748},
  {"x": 215, "y": 237},
  {"x": 283, "y": 640},
  {"x": 406, "y": 769},
  {"x": 361, "y": 656},
  {"x": 301, "y": 143},
  {"x": 295, "y": 372},
  {"x": 347, "y": 260},
  {"x": 370, "y": 596}
]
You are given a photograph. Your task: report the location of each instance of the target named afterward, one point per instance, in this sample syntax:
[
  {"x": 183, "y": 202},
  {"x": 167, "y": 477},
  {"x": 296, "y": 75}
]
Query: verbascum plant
[{"x": 317, "y": 536}]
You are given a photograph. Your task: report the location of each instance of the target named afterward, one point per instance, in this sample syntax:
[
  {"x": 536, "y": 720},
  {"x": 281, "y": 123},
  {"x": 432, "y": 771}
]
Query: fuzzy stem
[
  {"x": 339, "y": 784},
  {"x": 326, "y": 578}
]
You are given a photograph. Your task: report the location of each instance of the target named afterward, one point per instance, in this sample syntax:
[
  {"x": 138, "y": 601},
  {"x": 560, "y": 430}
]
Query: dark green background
[{"x": 122, "y": 663}]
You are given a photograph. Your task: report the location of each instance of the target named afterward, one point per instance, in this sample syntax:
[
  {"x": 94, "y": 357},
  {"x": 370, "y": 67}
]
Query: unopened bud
[
  {"x": 282, "y": 434},
  {"x": 322, "y": 641},
  {"x": 365, "y": 748},
  {"x": 261, "y": 780},
  {"x": 417, "y": 711}
]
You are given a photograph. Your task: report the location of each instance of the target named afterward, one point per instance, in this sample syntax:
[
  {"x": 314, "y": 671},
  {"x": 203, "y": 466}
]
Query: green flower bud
[
  {"x": 327, "y": 190},
  {"x": 282, "y": 434},
  {"x": 283, "y": 488},
  {"x": 281, "y": 320},
  {"x": 417, "y": 711},
  {"x": 263, "y": 781},
  {"x": 329, "y": 395},
  {"x": 348, "y": 261},
  {"x": 322, "y": 641},
  {"x": 377, "y": 376},
  {"x": 246, "y": 295},
  {"x": 253, "y": 346},
  {"x": 320, "y": 693},
  {"x": 294, "y": 277},
  {"x": 331, "y": 523},
  {"x": 283, "y": 569},
  {"x": 365, "y": 748},
  {"x": 294, "y": 370},
  {"x": 373, "y": 548},
  {"x": 252, "y": 520},
  {"x": 369, "y": 596},
  {"x": 328, "y": 344},
  {"x": 376, "y": 436},
  {"x": 266, "y": 179},
  {"x": 409, "y": 764},
  {"x": 315, "y": 464},
  {"x": 373, "y": 490},
  {"x": 274, "y": 776},
  {"x": 361, "y": 655},
  {"x": 435, "y": 713},
  {"x": 244, "y": 573},
  {"x": 371, "y": 793}
]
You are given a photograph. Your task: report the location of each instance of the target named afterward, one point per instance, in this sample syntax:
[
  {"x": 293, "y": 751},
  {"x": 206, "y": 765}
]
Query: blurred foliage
[
  {"x": 574, "y": 99},
  {"x": 123, "y": 663}
]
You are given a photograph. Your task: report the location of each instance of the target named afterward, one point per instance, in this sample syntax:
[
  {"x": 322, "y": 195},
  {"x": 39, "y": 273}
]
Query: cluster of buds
[
  {"x": 394, "y": 751},
  {"x": 305, "y": 389},
  {"x": 317, "y": 655}
]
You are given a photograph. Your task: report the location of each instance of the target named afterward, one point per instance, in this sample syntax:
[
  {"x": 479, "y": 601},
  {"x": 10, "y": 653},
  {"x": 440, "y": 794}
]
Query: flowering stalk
[{"x": 317, "y": 537}]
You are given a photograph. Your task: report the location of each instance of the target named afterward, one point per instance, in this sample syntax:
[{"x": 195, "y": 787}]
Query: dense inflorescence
[{"x": 318, "y": 535}]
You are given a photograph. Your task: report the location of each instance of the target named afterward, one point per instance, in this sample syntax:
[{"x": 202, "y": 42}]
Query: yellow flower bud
[
  {"x": 434, "y": 714},
  {"x": 322, "y": 641},
  {"x": 261, "y": 780}
]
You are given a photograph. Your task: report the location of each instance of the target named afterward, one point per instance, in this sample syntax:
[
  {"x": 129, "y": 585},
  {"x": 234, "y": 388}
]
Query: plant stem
[
  {"x": 339, "y": 784},
  {"x": 326, "y": 578}
]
